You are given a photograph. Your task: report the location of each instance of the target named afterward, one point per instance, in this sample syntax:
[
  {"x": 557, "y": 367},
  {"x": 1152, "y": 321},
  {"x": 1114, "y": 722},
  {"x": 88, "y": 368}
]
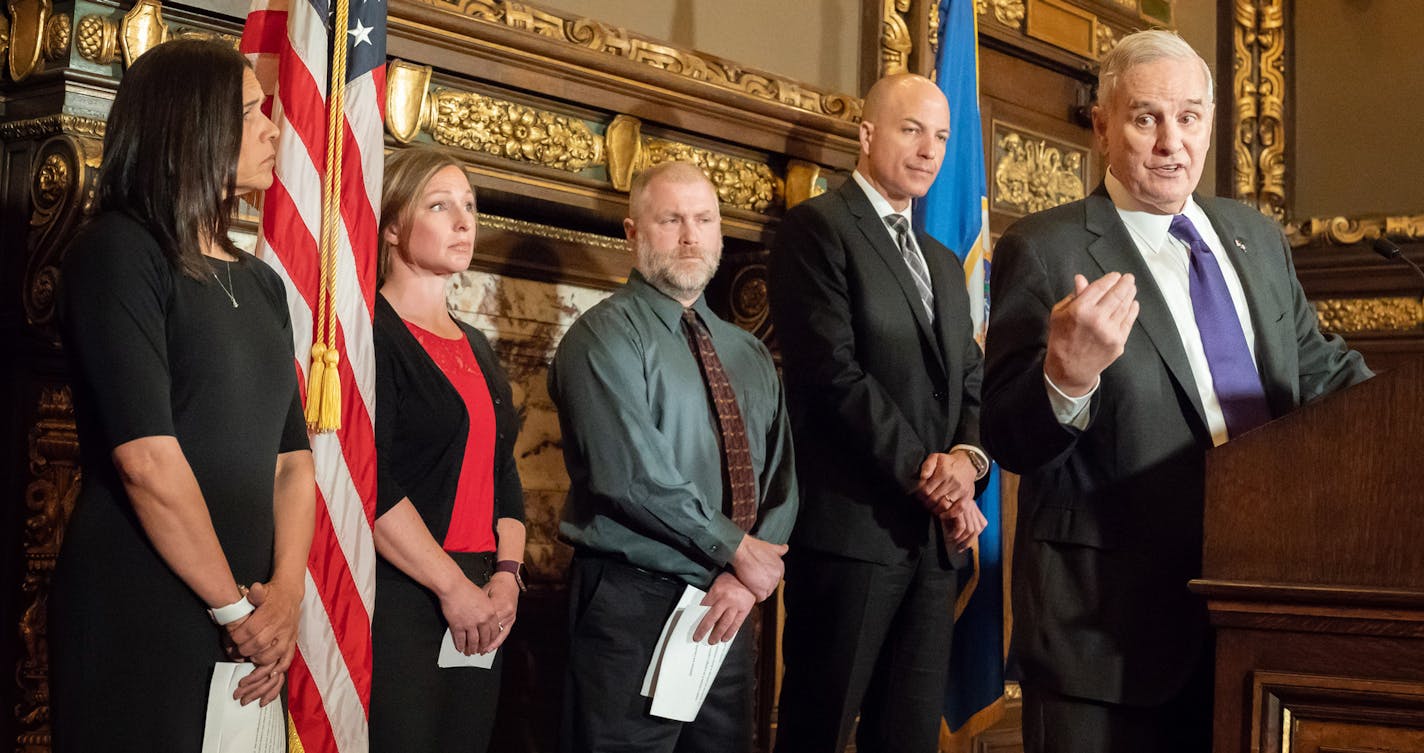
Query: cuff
[
  {"x": 719, "y": 541},
  {"x": 1070, "y": 411}
]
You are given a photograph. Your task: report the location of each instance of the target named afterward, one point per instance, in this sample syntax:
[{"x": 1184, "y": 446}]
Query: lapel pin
[{"x": 1241, "y": 245}]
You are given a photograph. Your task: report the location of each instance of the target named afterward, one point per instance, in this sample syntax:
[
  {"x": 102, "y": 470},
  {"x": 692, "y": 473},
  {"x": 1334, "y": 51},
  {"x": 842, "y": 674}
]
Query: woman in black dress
[
  {"x": 450, "y": 509},
  {"x": 198, "y": 480}
]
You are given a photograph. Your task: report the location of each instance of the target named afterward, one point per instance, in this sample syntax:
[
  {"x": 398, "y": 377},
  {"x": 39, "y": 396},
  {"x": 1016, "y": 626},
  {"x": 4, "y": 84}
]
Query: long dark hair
[{"x": 171, "y": 147}]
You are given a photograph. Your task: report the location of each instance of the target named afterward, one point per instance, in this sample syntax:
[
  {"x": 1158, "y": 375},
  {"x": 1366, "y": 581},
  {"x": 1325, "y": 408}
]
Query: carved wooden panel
[{"x": 1301, "y": 713}]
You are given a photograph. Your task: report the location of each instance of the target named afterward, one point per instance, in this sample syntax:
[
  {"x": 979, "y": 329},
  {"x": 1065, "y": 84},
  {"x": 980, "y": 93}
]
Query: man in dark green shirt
[{"x": 659, "y": 473}]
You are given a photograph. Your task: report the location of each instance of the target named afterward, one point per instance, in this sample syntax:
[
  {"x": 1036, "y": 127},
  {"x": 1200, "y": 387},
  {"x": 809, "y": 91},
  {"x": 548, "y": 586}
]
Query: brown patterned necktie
[{"x": 736, "y": 453}]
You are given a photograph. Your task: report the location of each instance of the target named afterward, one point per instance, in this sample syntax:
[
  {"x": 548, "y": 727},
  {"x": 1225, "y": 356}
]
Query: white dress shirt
[{"x": 1168, "y": 260}]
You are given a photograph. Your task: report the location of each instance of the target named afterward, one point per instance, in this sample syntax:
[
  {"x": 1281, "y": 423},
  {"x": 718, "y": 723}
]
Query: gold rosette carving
[
  {"x": 513, "y": 131},
  {"x": 1354, "y": 315}
]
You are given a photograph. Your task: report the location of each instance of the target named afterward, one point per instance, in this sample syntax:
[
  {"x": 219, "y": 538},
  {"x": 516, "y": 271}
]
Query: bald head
[{"x": 904, "y": 127}]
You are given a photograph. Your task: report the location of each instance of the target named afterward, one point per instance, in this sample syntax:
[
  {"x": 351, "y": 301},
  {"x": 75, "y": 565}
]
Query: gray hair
[{"x": 1140, "y": 48}]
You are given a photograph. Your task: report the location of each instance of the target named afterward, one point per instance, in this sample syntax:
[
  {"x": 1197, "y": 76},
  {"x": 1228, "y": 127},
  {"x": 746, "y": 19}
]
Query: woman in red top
[{"x": 450, "y": 509}]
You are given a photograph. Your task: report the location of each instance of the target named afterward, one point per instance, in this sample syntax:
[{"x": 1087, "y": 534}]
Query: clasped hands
[
  {"x": 946, "y": 489},
  {"x": 480, "y": 618},
  {"x": 267, "y": 637},
  {"x": 757, "y": 568}
]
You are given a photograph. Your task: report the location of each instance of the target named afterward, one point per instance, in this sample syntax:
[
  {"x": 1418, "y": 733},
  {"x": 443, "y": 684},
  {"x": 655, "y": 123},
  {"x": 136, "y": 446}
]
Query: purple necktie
[{"x": 1233, "y": 372}]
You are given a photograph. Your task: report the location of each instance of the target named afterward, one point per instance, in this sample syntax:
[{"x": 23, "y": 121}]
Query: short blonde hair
[
  {"x": 678, "y": 172},
  {"x": 407, "y": 172},
  {"x": 1144, "y": 47}
]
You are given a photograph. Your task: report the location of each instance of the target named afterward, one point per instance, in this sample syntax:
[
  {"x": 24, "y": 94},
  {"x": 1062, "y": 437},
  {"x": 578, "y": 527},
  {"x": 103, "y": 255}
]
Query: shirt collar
[
  {"x": 1152, "y": 227},
  {"x": 881, "y": 205},
  {"x": 668, "y": 311}
]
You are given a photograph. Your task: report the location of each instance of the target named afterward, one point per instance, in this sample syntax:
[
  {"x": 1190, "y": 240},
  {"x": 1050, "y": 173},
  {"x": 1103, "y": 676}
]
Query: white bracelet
[{"x": 232, "y": 612}]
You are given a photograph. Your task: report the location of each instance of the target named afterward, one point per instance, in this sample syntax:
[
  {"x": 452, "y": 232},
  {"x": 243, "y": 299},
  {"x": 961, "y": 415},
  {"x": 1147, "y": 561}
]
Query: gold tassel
[
  {"x": 314, "y": 386},
  {"x": 331, "y": 393}
]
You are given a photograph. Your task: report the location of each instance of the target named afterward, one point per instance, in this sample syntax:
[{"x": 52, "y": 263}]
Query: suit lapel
[
  {"x": 1115, "y": 251},
  {"x": 877, "y": 235},
  {"x": 1245, "y": 256}
]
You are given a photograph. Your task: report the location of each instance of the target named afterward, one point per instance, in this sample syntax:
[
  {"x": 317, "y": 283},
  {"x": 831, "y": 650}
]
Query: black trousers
[
  {"x": 1054, "y": 723},
  {"x": 616, "y": 613},
  {"x": 867, "y": 638}
]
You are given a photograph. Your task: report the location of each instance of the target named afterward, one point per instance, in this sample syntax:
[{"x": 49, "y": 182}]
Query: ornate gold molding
[
  {"x": 522, "y": 227},
  {"x": 142, "y": 29},
  {"x": 479, "y": 123},
  {"x": 1345, "y": 231},
  {"x": 4, "y": 37},
  {"x": 518, "y": 132},
  {"x": 1348, "y": 316},
  {"x": 619, "y": 42},
  {"x": 1107, "y": 38},
  {"x": 28, "y": 22},
  {"x": 1033, "y": 173},
  {"x": 1007, "y": 12},
  {"x": 61, "y": 192},
  {"x": 50, "y": 125},
  {"x": 740, "y": 182},
  {"x": 895, "y": 42},
  {"x": 49, "y": 499},
  {"x": 803, "y": 181},
  {"x": 1258, "y": 121}
]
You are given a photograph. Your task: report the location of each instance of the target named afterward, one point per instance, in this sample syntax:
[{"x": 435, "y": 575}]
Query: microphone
[{"x": 1387, "y": 248}]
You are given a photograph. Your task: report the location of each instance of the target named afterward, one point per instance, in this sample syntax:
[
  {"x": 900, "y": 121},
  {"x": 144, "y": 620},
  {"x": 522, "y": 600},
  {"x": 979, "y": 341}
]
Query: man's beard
[{"x": 679, "y": 278}]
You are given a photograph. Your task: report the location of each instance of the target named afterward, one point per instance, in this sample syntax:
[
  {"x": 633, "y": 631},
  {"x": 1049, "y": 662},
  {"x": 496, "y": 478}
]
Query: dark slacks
[
  {"x": 1054, "y": 723},
  {"x": 616, "y": 613},
  {"x": 865, "y": 638}
]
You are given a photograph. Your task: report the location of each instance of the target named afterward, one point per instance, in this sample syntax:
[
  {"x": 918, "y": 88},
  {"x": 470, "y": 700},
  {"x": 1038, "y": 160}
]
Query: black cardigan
[{"x": 422, "y": 426}]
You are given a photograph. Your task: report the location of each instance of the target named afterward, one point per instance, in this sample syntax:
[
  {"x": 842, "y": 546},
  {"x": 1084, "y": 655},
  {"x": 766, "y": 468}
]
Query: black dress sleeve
[
  {"x": 294, "y": 430},
  {"x": 114, "y": 300},
  {"x": 389, "y": 490}
]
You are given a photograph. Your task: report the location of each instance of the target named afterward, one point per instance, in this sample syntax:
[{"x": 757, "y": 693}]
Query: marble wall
[{"x": 524, "y": 320}]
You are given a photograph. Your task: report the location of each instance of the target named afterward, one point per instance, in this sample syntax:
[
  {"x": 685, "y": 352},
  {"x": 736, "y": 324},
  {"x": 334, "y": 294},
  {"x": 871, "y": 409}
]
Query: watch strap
[
  {"x": 232, "y": 612},
  {"x": 515, "y": 568}
]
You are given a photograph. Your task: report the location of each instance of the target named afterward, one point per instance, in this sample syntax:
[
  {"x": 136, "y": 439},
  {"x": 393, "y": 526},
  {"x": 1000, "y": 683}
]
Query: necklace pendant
[{"x": 234, "y": 304}]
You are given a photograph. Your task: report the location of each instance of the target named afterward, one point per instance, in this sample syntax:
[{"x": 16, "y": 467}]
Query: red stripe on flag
[
  {"x": 264, "y": 32},
  {"x": 304, "y": 107},
  {"x": 304, "y": 703},
  {"x": 294, "y": 246},
  {"x": 330, "y": 571}
]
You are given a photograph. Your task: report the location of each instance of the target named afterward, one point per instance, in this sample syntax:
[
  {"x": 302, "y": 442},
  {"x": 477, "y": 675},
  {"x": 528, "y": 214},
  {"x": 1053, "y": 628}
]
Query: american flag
[{"x": 292, "y": 47}]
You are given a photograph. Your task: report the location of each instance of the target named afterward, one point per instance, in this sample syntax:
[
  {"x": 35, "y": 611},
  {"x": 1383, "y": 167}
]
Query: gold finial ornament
[{"x": 98, "y": 40}]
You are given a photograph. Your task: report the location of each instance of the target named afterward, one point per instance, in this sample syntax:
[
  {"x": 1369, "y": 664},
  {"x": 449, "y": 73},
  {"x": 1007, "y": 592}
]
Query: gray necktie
[{"x": 910, "y": 251}]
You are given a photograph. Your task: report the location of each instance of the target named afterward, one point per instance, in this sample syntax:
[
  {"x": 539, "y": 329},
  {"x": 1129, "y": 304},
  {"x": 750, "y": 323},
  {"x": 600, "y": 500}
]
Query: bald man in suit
[{"x": 882, "y": 375}]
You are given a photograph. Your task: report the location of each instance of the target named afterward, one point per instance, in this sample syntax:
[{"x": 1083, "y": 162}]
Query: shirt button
[{"x": 715, "y": 547}]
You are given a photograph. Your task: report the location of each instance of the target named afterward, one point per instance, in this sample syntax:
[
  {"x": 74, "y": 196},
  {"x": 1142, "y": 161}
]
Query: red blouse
[{"x": 472, "y": 520}]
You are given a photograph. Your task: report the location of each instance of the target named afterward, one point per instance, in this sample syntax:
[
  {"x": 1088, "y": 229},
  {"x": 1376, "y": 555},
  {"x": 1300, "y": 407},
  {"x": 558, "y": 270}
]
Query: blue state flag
[{"x": 955, "y": 212}]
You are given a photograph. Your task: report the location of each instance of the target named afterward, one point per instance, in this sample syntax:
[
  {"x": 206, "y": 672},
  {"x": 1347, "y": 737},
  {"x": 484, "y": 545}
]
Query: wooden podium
[{"x": 1313, "y": 572}]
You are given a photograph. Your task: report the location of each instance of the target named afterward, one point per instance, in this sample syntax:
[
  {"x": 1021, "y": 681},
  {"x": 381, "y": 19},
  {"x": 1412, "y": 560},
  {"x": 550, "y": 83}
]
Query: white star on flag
[{"x": 362, "y": 34}]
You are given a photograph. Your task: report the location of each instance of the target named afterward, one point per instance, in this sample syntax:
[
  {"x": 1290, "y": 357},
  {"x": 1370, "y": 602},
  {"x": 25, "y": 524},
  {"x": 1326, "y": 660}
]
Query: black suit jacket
[
  {"x": 1110, "y": 517},
  {"x": 872, "y": 386}
]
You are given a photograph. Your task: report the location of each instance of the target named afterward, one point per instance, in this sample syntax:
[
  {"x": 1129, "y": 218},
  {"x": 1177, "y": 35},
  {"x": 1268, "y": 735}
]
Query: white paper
[
  {"x": 451, "y": 656},
  {"x": 690, "y": 596},
  {"x": 683, "y": 670},
  {"x": 231, "y": 727}
]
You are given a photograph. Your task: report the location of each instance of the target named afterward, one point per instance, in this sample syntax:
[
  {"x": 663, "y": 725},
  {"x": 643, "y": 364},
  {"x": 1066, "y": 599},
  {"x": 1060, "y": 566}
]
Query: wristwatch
[
  {"x": 981, "y": 466},
  {"x": 515, "y": 568}
]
